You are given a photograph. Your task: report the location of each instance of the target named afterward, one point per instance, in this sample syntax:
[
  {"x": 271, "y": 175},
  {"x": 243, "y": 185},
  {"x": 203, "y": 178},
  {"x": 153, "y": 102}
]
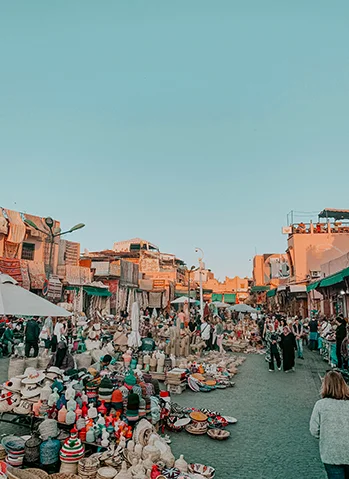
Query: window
[
  {"x": 242, "y": 286},
  {"x": 28, "y": 251}
]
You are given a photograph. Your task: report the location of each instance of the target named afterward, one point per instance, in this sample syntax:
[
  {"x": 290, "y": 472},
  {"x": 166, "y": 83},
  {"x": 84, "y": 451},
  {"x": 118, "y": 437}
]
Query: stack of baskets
[
  {"x": 106, "y": 473},
  {"x": 87, "y": 468},
  {"x": 14, "y": 447}
]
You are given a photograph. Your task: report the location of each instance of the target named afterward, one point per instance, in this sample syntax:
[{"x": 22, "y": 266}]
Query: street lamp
[
  {"x": 201, "y": 291},
  {"x": 191, "y": 270},
  {"x": 52, "y": 235}
]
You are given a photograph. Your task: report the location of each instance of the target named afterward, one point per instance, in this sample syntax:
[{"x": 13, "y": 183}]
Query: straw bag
[
  {"x": 16, "y": 367},
  {"x": 43, "y": 362},
  {"x": 83, "y": 360},
  {"x": 31, "y": 363},
  {"x": 69, "y": 468},
  {"x": 63, "y": 475},
  {"x": 48, "y": 429},
  {"x": 38, "y": 473}
]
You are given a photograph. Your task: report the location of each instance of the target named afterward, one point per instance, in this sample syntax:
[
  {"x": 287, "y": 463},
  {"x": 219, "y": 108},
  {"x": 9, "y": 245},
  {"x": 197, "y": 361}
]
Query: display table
[{"x": 328, "y": 351}]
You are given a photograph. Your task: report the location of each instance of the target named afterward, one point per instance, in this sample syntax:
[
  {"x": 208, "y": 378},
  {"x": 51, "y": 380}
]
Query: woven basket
[
  {"x": 14, "y": 473},
  {"x": 32, "y": 449},
  {"x": 43, "y": 362},
  {"x": 83, "y": 360},
  {"x": 48, "y": 428},
  {"x": 16, "y": 367},
  {"x": 31, "y": 363},
  {"x": 69, "y": 467},
  {"x": 38, "y": 473},
  {"x": 63, "y": 475}
]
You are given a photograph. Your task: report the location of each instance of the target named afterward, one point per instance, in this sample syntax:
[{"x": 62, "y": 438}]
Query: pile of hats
[
  {"x": 105, "y": 390},
  {"x": 117, "y": 400},
  {"x": 72, "y": 450},
  {"x": 132, "y": 412},
  {"x": 14, "y": 447}
]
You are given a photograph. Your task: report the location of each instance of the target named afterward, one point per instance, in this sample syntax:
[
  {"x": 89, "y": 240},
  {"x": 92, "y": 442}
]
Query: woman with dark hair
[
  {"x": 329, "y": 423},
  {"x": 289, "y": 346},
  {"x": 62, "y": 359}
]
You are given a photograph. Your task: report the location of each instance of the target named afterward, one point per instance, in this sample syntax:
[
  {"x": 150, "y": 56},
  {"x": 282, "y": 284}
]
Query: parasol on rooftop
[
  {"x": 16, "y": 300},
  {"x": 243, "y": 308},
  {"x": 183, "y": 299}
]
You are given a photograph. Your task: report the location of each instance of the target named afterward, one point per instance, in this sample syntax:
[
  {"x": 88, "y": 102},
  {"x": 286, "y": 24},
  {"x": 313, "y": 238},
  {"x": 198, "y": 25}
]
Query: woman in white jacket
[{"x": 330, "y": 422}]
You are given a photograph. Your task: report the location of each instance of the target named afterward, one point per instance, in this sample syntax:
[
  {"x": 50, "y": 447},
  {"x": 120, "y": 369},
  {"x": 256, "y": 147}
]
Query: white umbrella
[
  {"x": 243, "y": 308},
  {"x": 219, "y": 304},
  {"x": 19, "y": 301},
  {"x": 182, "y": 300},
  {"x": 134, "y": 338}
]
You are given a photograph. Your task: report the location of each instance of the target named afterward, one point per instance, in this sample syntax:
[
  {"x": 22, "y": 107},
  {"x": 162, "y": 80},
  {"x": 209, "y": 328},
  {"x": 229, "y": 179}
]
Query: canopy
[
  {"x": 219, "y": 304},
  {"x": 334, "y": 278},
  {"x": 182, "y": 300},
  {"x": 18, "y": 301},
  {"x": 243, "y": 308},
  {"x": 334, "y": 213}
]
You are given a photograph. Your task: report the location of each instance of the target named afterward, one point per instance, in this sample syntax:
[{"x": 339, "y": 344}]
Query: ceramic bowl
[
  {"x": 218, "y": 434},
  {"x": 207, "y": 471}
]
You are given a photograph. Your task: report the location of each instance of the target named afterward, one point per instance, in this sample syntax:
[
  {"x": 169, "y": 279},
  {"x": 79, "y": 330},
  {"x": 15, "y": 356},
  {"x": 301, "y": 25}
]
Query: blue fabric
[
  {"x": 313, "y": 336},
  {"x": 336, "y": 472}
]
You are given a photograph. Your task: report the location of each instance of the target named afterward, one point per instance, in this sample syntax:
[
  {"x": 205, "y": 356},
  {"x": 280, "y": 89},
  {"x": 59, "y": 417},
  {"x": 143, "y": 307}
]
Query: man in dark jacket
[
  {"x": 32, "y": 332},
  {"x": 341, "y": 333}
]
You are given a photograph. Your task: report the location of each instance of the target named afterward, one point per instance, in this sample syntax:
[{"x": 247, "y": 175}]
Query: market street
[{"x": 271, "y": 439}]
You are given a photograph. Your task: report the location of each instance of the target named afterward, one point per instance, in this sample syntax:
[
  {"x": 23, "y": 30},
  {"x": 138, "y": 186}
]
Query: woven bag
[
  {"x": 31, "y": 363},
  {"x": 32, "y": 449},
  {"x": 43, "y": 362},
  {"x": 83, "y": 360},
  {"x": 16, "y": 367}
]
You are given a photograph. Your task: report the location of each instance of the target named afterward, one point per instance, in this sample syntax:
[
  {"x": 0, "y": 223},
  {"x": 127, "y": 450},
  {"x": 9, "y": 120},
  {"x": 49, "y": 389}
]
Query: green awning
[
  {"x": 271, "y": 293},
  {"x": 312, "y": 286},
  {"x": 179, "y": 294},
  {"x": 92, "y": 291},
  {"x": 259, "y": 289},
  {"x": 335, "y": 278},
  {"x": 230, "y": 298},
  {"x": 72, "y": 288},
  {"x": 217, "y": 297}
]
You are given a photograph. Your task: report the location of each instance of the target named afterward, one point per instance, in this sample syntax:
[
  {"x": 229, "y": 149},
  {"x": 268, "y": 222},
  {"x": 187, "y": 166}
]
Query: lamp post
[
  {"x": 52, "y": 235},
  {"x": 191, "y": 270},
  {"x": 197, "y": 250}
]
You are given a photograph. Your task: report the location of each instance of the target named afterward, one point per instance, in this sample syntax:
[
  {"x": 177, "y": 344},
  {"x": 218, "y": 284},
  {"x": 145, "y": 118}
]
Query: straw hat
[
  {"x": 13, "y": 384},
  {"x": 31, "y": 391},
  {"x": 34, "y": 377},
  {"x": 53, "y": 372}
]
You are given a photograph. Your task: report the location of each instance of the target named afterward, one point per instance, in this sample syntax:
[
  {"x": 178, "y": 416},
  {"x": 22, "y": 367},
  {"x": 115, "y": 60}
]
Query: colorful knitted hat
[
  {"x": 133, "y": 402},
  {"x": 105, "y": 390}
]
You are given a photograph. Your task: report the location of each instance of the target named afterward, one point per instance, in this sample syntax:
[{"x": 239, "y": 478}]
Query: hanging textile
[
  {"x": 12, "y": 267},
  {"x": 11, "y": 250},
  {"x": 3, "y": 223},
  {"x": 165, "y": 298},
  {"x": 145, "y": 300},
  {"x": 85, "y": 275},
  {"x": 25, "y": 274},
  {"x": 134, "y": 339},
  {"x": 72, "y": 274},
  {"x": 54, "y": 288},
  {"x": 17, "y": 229},
  {"x": 38, "y": 222},
  {"x": 37, "y": 274},
  {"x": 154, "y": 300}
]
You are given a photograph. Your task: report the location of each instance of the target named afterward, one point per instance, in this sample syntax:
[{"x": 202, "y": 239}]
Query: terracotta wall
[{"x": 309, "y": 251}]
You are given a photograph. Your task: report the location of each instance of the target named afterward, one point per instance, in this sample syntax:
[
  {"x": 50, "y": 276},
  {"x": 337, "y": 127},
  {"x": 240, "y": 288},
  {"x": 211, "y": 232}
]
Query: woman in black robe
[{"x": 289, "y": 346}]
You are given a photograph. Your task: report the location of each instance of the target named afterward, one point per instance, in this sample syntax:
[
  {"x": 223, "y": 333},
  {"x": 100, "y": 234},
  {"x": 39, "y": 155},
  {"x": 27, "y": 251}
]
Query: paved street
[{"x": 271, "y": 439}]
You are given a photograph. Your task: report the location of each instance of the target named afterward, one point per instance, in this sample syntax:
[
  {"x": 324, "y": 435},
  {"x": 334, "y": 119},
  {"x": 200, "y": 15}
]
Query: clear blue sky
[{"x": 187, "y": 123}]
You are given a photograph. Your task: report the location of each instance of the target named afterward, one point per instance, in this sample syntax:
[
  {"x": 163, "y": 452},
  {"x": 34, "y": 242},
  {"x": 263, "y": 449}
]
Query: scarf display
[
  {"x": 12, "y": 267},
  {"x": 17, "y": 228},
  {"x": 37, "y": 274}
]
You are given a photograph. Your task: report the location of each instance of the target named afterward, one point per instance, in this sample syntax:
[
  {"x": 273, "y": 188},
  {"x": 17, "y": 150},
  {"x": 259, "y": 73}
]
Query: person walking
[
  {"x": 219, "y": 330},
  {"x": 206, "y": 333},
  {"x": 288, "y": 346},
  {"x": 313, "y": 335},
  {"x": 7, "y": 339},
  {"x": 297, "y": 330},
  {"x": 329, "y": 423},
  {"x": 341, "y": 333},
  {"x": 273, "y": 339},
  {"x": 32, "y": 333}
]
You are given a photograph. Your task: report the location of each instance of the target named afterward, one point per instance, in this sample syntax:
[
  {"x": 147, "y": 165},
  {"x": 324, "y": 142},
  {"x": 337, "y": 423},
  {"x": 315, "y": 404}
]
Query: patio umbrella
[
  {"x": 134, "y": 338},
  {"x": 16, "y": 300},
  {"x": 243, "y": 308},
  {"x": 182, "y": 300},
  {"x": 219, "y": 304}
]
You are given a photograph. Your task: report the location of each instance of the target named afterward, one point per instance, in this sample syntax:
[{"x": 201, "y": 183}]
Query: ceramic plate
[
  {"x": 182, "y": 422},
  {"x": 231, "y": 420}
]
